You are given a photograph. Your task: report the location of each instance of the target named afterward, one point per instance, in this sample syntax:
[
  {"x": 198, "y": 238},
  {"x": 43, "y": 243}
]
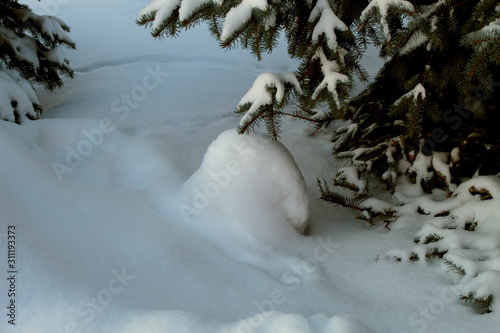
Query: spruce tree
[
  {"x": 429, "y": 117},
  {"x": 31, "y": 52},
  {"x": 435, "y": 93},
  {"x": 321, "y": 34},
  {"x": 438, "y": 92}
]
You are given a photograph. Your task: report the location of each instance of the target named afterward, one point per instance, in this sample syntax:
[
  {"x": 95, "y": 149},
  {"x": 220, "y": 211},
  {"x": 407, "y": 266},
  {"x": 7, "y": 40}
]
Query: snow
[
  {"x": 165, "y": 10},
  {"x": 330, "y": 70},
  {"x": 53, "y": 28},
  {"x": 238, "y": 16},
  {"x": 382, "y": 7},
  {"x": 24, "y": 47},
  {"x": 442, "y": 167},
  {"x": 188, "y": 8},
  {"x": 415, "y": 93},
  {"x": 15, "y": 88},
  {"x": 247, "y": 193},
  {"x": 259, "y": 95},
  {"x": 477, "y": 252},
  {"x": 56, "y": 55},
  {"x": 350, "y": 174},
  {"x": 415, "y": 41},
  {"x": 327, "y": 24},
  {"x": 101, "y": 248}
]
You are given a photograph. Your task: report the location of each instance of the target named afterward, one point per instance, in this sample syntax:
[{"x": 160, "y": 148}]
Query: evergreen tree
[
  {"x": 319, "y": 33},
  {"x": 31, "y": 51},
  {"x": 430, "y": 116},
  {"x": 436, "y": 91}
]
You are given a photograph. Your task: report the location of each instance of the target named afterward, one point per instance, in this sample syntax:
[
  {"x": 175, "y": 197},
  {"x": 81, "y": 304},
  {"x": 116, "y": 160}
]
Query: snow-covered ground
[{"x": 121, "y": 222}]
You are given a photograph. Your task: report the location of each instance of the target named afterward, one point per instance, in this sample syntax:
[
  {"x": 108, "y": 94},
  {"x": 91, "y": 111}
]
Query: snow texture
[
  {"x": 442, "y": 167},
  {"x": 239, "y": 15},
  {"x": 164, "y": 9},
  {"x": 382, "y": 7},
  {"x": 54, "y": 28},
  {"x": 56, "y": 55},
  {"x": 331, "y": 78},
  {"x": 249, "y": 190},
  {"x": 350, "y": 175},
  {"x": 327, "y": 24},
  {"x": 469, "y": 233},
  {"x": 415, "y": 93},
  {"x": 115, "y": 212},
  {"x": 259, "y": 95},
  {"x": 416, "y": 41},
  {"x": 25, "y": 47},
  {"x": 15, "y": 89},
  {"x": 189, "y": 7}
]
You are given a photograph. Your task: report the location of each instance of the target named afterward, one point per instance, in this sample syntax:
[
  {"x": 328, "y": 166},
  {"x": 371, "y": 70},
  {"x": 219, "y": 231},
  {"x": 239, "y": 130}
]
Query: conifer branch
[{"x": 297, "y": 116}]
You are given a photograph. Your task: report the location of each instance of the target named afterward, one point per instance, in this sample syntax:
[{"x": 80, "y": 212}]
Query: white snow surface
[{"x": 93, "y": 192}]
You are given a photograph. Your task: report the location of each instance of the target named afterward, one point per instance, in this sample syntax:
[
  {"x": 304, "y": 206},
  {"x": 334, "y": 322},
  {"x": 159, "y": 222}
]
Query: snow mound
[{"x": 247, "y": 191}]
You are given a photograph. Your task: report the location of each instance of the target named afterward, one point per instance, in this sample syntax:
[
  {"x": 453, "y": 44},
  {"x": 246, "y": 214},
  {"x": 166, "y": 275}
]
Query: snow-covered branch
[
  {"x": 239, "y": 16},
  {"x": 18, "y": 100},
  {"x": 464, "y": 230},
  {"x": 332, "y": 77},
  {"x": 380, "y": 9},
  {"x": 31, "y": 50},
  {"x": 268, "y": 90},
  {"x": 327, "y": 24},
  {"x": 414, "y": 94}
]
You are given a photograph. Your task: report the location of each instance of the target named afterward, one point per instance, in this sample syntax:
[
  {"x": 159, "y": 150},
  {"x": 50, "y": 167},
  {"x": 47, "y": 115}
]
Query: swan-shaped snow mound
[{"x": 248, "y": 185}]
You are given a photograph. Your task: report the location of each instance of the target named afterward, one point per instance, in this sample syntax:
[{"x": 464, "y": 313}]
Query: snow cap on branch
[
  {"x": 240, "y": 15},
  {"x": 330, "y": 70},
  {"x": 415, "y": 93},
  {"x": 154, "y": 6},
  {"x": 24, "y": 47},
  {"x": 163, "y": 8},
  {"x": 327, "y": 23},
  {"x": 382, "y": 7},
  {"x": 54, "y": 28},
  {"x": 188, "y": 7},
  {"x": 259, "y": 95},
  {"x": 16, "y": 96}
]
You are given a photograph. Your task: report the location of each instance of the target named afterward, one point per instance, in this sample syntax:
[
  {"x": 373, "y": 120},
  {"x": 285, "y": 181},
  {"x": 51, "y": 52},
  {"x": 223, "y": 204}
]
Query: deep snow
[{"x": 93, "y": 191}]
